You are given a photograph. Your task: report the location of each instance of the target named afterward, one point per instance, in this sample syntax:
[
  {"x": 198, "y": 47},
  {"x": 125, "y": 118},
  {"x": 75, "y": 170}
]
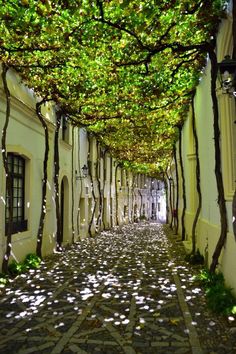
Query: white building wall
[{"x": 208, "y": 228}]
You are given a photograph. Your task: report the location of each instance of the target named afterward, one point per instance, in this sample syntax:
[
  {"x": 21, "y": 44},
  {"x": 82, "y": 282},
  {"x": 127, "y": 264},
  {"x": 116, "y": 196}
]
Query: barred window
[{"x": 16, "y": 166}]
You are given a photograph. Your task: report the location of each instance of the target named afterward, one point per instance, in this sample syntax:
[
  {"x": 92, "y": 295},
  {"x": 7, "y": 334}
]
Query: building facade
[
  {"x": 209, "y": 221},
  {"x": 94, "y": 192}
]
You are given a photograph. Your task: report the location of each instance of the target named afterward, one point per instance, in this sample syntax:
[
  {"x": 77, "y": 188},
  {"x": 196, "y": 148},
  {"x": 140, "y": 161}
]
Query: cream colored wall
[
  {"x": 208, "y": 229},
  {"x": 25, "y": 136},
  {"x": 204, "y": 126},
  {"x": 21, "y": 126},
  {"x": 228, "y": 138}
]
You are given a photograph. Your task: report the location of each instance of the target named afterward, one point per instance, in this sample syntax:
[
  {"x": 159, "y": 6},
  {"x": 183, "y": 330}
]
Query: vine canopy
[{"x": 124, "y": 69}]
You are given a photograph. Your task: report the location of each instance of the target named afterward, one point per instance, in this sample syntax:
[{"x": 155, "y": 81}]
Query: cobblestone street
[{"x": 126, "y": 291}]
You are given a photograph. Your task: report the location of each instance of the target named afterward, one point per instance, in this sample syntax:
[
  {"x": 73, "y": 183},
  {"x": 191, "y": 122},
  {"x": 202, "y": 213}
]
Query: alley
[{"x": 125, "y": 291}]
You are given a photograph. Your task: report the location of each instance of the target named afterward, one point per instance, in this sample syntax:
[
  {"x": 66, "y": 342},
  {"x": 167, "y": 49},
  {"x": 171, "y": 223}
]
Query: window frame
[{"x": 16, "y": 166}]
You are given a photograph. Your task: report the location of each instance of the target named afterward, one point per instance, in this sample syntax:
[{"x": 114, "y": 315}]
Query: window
[
  {"x": 16, "y": 166},
  {"x": 65, "y": 129}
]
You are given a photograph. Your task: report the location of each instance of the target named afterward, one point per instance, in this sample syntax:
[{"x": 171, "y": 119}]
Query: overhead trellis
[{"x": 124, "y": 69}]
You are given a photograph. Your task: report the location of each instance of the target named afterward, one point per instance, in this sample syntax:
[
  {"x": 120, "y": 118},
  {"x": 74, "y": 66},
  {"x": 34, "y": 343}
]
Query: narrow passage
[{"x": 125, "y": 291}]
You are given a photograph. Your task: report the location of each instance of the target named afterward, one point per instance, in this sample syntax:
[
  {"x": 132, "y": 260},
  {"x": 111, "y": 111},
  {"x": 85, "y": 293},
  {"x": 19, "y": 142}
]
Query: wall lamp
[
  {"x": 84, "y": 170},
  {"x": 227, "y": 70}
]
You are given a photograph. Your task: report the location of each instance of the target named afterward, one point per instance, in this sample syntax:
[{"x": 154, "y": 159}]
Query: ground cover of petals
[{"x": 127, "y": 290}]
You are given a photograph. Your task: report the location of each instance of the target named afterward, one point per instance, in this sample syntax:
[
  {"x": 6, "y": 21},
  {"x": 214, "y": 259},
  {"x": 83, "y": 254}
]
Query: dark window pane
[
  {"x": 16, "y": 169},
  {"x": 20, "y": 193},
  {"x": 20, "y": 183}
]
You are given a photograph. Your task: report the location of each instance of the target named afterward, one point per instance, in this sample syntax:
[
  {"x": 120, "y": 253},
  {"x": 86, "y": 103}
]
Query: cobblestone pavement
[{"x": 126, "y": 291}]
